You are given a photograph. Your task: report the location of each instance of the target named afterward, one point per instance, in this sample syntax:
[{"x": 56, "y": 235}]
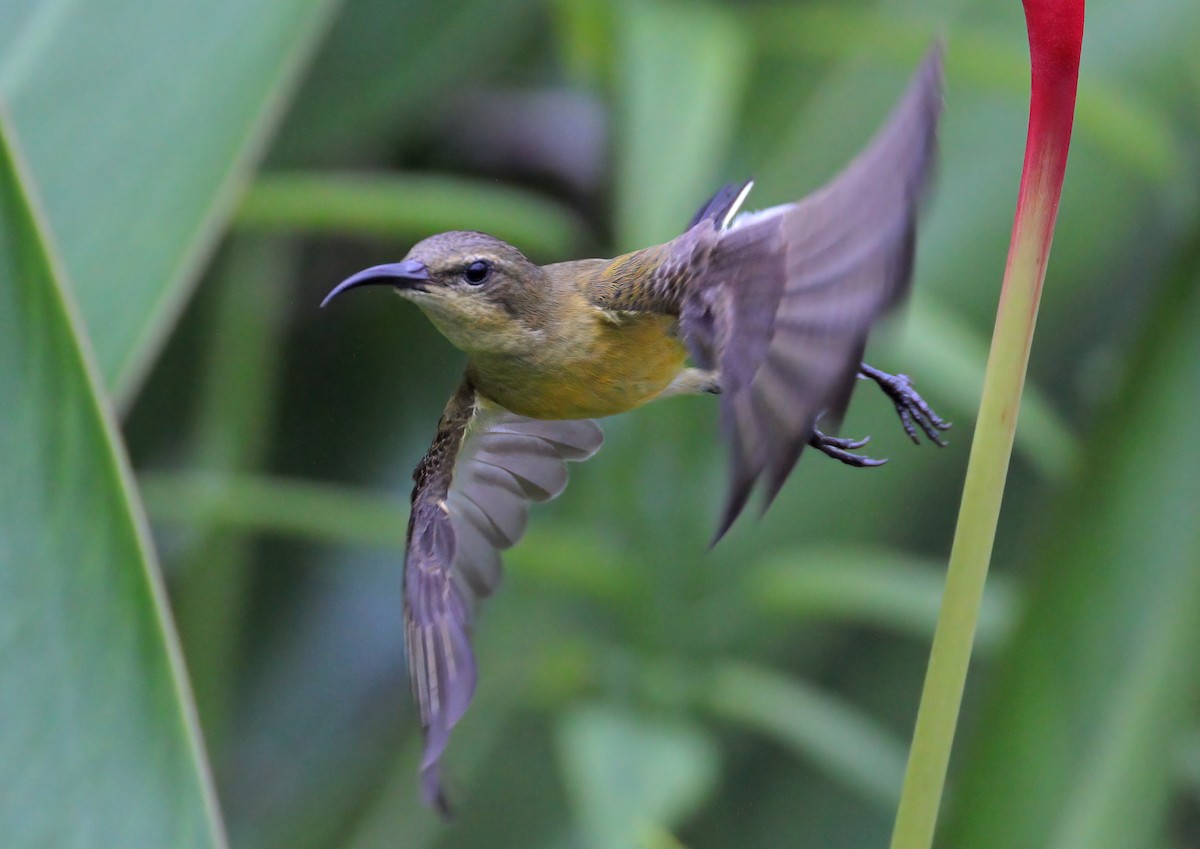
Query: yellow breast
[{"x": 610, "y": 365}]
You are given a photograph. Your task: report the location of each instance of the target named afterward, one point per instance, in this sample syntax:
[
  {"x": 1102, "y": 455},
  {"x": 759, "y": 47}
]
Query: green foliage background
[{"x": 195, "y": 178}]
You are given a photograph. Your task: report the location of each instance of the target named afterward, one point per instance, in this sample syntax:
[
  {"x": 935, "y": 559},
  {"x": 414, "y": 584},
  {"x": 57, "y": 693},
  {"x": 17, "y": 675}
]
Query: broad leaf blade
[
  {"x": 98, "y": 744},
  {"x": 141, "y": 121}
]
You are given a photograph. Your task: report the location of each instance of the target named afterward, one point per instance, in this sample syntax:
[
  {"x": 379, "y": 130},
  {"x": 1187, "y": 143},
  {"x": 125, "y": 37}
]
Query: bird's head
[{"x": 481, "y": 293}]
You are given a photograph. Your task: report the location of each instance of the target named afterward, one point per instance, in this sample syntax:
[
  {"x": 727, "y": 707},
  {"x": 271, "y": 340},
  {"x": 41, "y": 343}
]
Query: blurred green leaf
[
  {"x": 1126, "y": 126},
  {"x": 263, "y": 504},
  {"x": 585, "y": 35},
  {"x": 98, "y": 744},
  {"x": 141, "y": 122},
  {"x": 388, "y": 64},
  {"x": 253, "y": 503},
  {"x": 1187, "y": 761},
  {"x": 395, "y": 815},
  {"x": 212, "y": 585},
  {"x": 841, "y": 740},
  {"x": 681, "y": 69},
  {"x": 575, "y": 557},
  {"x": 412, "y": 206},
  {"x": 1078, "y": 736},
  {"x": 654, "y": 837},
  {"x": 877, "y": 587},
  {"x": 626, "y": 772}
]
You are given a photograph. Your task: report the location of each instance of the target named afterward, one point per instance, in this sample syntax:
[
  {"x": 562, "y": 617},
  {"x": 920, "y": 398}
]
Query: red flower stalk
[{"x": 1055, "y": 38}]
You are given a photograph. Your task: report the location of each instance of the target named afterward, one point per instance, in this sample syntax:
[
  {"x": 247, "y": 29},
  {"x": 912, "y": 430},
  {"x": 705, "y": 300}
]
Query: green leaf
[
  {"x": 627, "y": 772},
  {"x": 843, "y": 741},
  {"x": 98, "y": 745},
  {"x": 290, "y": 507},
  {"x": 1125, "y": 126},
  {"x": 1187, "y": 761},
  {"x": 1077, "y": 741},
  {"x": 585, "y": 33},
  {"x": 394, "y": 206},
  {"x": 399, "y": 58},
  {"x": 394, "y": 814},
  {"x": 873, "y": 586},
  {"x": 681, "y": 70},
  {"x": 552, "y": 555},
  {"x": 213, "y": 574},
  {"x": 141, "y": 122}
]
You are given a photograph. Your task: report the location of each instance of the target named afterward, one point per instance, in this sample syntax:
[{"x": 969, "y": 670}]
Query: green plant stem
[
  {"x": 1055, "y": 38},
  {"x": 979, "y": 512}
]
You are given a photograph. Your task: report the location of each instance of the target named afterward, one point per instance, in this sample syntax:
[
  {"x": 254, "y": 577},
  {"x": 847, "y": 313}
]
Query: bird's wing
[
  {"x": 723, "y": 205},
  {"x": 471, "y": 499},
  {"x": 788, "y": 295}
]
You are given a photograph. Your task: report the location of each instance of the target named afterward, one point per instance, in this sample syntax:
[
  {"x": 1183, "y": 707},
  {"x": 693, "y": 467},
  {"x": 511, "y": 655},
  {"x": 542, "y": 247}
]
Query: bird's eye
[{"x": 477, "y": 271}]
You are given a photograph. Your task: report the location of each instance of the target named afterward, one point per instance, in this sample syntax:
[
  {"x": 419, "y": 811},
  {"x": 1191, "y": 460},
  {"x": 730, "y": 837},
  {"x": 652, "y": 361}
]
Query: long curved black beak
[{"x": 406, "y": 274}]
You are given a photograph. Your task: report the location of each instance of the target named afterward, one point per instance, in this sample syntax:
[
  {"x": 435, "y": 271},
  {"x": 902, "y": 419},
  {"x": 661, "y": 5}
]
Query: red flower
[{"x": 1055, "y": 38}]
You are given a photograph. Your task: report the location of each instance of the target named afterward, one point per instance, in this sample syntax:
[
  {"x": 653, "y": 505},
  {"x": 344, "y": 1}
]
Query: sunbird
[{"x": 772, "y": 309}]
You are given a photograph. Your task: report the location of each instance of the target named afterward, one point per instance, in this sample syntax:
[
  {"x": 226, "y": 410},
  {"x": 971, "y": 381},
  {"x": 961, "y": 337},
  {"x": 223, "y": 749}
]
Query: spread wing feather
[
  {"x": 471, "y": 501},
  {"x": 781, "y": 302}
]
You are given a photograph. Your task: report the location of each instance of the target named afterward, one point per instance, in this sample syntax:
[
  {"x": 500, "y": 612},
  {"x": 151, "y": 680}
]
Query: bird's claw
[
  {"x": 912, "y": 409},
  {"x": 840, "y": 448}
]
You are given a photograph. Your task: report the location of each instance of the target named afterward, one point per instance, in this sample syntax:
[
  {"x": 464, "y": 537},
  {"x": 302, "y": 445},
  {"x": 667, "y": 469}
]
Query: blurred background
[{"x": 210, "y": 176}]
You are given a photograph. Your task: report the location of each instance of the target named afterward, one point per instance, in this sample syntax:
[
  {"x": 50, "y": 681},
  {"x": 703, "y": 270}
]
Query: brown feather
[{"x": 470, "y": 501}]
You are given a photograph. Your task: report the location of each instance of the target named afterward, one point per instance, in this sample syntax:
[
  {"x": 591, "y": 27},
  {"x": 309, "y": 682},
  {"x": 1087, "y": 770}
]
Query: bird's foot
[
  {"x": 842, "y": 449},
  {"x": 912, "y": 409}
]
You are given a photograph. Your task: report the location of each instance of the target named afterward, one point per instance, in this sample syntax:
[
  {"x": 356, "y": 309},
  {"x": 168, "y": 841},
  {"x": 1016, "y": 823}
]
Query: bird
[{"x": 769, "y": 311}]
